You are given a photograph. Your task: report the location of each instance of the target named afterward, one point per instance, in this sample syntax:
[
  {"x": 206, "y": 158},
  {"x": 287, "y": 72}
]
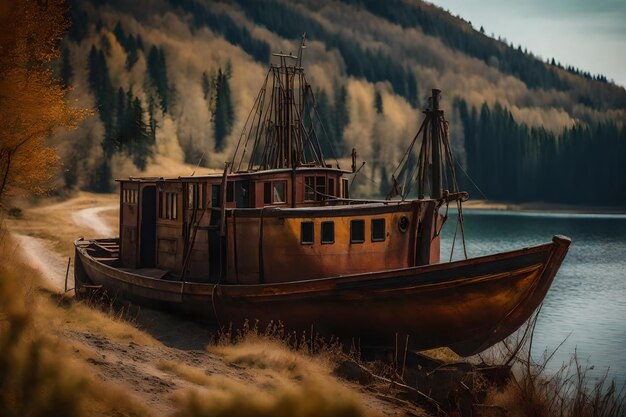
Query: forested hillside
[{"x": 172, "y": 82}]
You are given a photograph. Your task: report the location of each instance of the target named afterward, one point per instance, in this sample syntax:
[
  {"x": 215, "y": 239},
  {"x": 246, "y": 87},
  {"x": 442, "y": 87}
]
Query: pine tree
[
  {"x": 385, "y": 183},
  {"x": 140, "y": 136},
  {"x": 100, "y": 85},
  {"x": 121, "y": 121},
  {"x": 157, "y": 69},
  {"x": 224, "y": 111},
  {"x": 378, "y": 102},
  {"x": 152, "y": 124},
  {"x": 206, "y": 85}
]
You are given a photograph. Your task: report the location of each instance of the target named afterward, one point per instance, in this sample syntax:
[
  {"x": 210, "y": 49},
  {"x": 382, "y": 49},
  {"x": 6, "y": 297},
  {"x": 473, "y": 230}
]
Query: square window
[
  {"x": 328, "y": 233},
  {"x": 378, "y": 230},
  {"x": 357, "y": 231},
  {"x": 331, "y": 187},
  {"x": 306, "y": 233},
  {"x": 309, "y": 188},
  {"x": 278, "y": 195},
  {"x": 267, "y": 193}
]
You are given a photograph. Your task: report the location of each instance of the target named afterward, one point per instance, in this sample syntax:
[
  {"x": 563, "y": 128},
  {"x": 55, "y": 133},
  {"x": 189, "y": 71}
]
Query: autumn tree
[{"x": 32, "y": 98}]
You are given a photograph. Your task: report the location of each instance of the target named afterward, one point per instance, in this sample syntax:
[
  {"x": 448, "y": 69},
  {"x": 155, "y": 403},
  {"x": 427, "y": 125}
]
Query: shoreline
[{"x": 538, "y": 207}]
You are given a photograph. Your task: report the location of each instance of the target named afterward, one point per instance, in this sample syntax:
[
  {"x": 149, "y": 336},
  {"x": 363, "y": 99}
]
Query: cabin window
[
  {"x": 331, "y": 187},
  {"x": 168, "y": 207},
  {"x": 328, "y": 233},
  {"x": 200, "y": 198},
  {"x": 320, "y": 188},
  {"x": 278, "y": 195},
  {"x": 357, "y": 231},
  {"x": 230, "y": 192},
  {"x": 129, "y": 196},
  {"x": 309, "y": 188},
  {"x": 216, "y": 195},
  {"x": 306, "y": 233},
  {"x": 274, "y": 192},
  {"x": 174, "y": 203},
  {"x": 195, "y": 196},
  {"x": 345, "y": 188},
  {"x": 378, "y": 230},
  {"x": 190, "y": 195},
  {"x": 242, "y": 194},
  {"x": 267, "y": 193}
]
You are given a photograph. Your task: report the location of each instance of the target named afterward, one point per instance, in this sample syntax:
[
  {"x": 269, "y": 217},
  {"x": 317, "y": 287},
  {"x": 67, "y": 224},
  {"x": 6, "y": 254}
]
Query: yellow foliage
[{"x": 32, "y": 100}]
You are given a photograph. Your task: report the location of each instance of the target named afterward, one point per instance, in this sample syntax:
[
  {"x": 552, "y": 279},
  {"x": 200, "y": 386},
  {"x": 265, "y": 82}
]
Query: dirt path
[
  {"x": 45, "y": 233},
  {"x": 89, "y": 218},
  {"x": 40, "y": 254}
]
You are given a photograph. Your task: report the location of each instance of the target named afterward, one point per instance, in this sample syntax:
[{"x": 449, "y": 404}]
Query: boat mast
[
  {"x": 281, "y": 127},
  {"x": 432, "y": 169},
  {"x": 436, "y": 115}
]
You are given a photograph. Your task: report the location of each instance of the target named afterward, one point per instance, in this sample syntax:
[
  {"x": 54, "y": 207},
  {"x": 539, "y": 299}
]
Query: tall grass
[
  {"x": 38, "y": 374},
  {"x": 33, "y": 381},
  {"x": 281, "y": 378},
  {"x": 536, "y": 391}
]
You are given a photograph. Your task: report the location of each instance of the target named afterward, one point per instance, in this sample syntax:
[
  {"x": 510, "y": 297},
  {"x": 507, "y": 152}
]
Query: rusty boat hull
[{"x": 467, "y": 305}]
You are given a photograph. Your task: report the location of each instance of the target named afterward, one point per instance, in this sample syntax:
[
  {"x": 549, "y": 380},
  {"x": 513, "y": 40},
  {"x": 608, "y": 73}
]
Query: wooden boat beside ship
[{"x": 277, "y": 237}]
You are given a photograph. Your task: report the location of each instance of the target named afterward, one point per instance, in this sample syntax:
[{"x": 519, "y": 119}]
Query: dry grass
[
  {"x": 40, "y": 374},
  {"x": 299, "y": 400},
  {"x": 569, "y": 392},
  {"x": 282, "y": 380}
]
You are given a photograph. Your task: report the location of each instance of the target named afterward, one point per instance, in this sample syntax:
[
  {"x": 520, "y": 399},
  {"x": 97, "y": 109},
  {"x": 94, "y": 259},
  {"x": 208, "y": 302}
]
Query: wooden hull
[{"x": 466, "y": 305}]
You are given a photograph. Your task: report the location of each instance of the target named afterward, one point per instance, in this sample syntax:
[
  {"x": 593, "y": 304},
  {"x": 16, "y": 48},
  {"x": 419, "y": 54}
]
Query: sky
[{"x": 588, "y": 34}]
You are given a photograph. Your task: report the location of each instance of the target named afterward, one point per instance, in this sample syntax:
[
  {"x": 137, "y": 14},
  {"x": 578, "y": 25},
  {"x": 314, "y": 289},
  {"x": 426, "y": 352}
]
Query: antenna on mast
[{"x": 302, "y": 46}]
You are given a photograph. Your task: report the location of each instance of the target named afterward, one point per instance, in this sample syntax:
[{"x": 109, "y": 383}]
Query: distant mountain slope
[{"x": 177, "y": 78}]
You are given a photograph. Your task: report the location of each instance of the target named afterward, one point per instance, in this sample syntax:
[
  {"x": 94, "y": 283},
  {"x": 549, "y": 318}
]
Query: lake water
[{"x": 587, "y": 301}]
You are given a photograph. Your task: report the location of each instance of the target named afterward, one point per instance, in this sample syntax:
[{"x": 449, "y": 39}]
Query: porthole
[{"x": 403, "y": 224}]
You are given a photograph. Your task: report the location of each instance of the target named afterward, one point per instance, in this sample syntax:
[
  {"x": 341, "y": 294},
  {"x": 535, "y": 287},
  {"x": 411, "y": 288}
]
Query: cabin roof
[{"x": 250, "y": 174}]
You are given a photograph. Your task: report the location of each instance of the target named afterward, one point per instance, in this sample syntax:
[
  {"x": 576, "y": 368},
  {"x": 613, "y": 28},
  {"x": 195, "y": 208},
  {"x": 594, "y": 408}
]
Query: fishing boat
[{"x": 277, "y": 237}]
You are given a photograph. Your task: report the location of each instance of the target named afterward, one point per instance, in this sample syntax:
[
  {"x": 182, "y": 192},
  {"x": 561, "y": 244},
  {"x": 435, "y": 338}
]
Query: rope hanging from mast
[
  {"x": 432, "y": 169},
  {"x": 280, "y": 130}
]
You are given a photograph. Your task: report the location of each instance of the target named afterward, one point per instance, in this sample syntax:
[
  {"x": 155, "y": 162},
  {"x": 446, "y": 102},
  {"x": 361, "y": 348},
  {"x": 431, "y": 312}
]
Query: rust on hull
[{"x": 467, "y": 305}]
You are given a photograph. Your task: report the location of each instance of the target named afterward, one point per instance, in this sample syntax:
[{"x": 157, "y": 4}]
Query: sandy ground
[{"x": 45, "y": 234}]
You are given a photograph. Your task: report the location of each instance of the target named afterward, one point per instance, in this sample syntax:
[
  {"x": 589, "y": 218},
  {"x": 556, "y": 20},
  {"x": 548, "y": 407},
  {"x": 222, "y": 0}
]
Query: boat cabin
[{"x": 279, "y": 225}]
